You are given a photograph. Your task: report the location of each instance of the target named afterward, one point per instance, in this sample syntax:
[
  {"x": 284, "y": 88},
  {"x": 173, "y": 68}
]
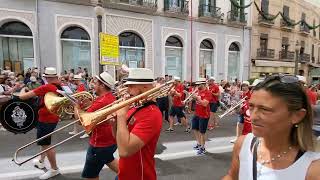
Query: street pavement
[{"x": 175, "y": 158}]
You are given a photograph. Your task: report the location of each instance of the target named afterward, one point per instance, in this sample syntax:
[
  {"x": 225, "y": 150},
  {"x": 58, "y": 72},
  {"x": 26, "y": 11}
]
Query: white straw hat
[
  {"x": 246, "y": 83},
  {"x": 201, "y": 81},
  {"x": 212, "y": 78},
  {"x": 106, "y": 79},
  {"x": 176, "y": 78},
  {"x": 140, "y": 76},
  {"x": 50, "y": 72},
  {"x": 77, "y": 77}
]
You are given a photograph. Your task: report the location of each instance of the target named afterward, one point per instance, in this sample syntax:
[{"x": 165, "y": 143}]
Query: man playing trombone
[
  {"x": 138, "y": 130},
  {"x": 47, "y": 121},
  {"x": 102, "y": 143},
  {"x": 201, "y": 117}
]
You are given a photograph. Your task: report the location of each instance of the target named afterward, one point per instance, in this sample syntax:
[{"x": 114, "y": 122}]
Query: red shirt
[
  {"x": 213, "y": 88},
  {"x": 312, "y": 96},
  {"x": 101, "y": 135},
  {"x": 146, "y": 124},
  {"x": 81, "y": 88},
  {"x": 246, "y": 94},
  {"x": 44, "y": 115},
  {"x": 203, "y": 111},
  {"x": 177, "y": 101}
]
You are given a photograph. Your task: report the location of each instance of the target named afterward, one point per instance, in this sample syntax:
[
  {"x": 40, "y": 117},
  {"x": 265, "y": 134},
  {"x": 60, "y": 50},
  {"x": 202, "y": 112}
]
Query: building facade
[
  {"x": 279, "y": 44},
  {"x": 160, "y": 35}
]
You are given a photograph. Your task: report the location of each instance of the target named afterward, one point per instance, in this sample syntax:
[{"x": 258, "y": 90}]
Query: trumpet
[
  {"x": 59, "y": 105},
  {"x": 228, "y": 111},
  {"x": 90, "y": 120},
  {"x": 191, "y": 95}
]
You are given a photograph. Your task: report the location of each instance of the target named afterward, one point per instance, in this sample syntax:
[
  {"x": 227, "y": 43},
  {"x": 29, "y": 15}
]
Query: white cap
[
  {"x": 77, "y": 77},
  {"x": 246, "y": 82},
  {"x": 140, "y": 76}
]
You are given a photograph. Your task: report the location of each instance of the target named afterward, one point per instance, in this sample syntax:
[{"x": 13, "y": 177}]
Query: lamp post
[
  {"x": 99, "y": 10},
  {"x": 298, "y": 47}
]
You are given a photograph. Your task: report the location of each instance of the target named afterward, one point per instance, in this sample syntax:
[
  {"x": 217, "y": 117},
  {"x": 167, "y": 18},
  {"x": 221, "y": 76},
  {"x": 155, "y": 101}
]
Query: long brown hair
[{"x": 296, "y": 99}]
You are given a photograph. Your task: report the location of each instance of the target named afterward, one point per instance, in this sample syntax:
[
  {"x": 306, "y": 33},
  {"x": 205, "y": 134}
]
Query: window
[
  {"x": 132, "y": 51},
  {"x": 233, "y": 62},
  {"x": 264, "y": 41},
  {"x": 173, "y": 51},
  {"x": 206, "y": 62},
  {"x": 76, "y": 49},
  {"x": 265, "y": 6},
  {"x": 286, "y": 11},
  {"x": 16, "y": 46}
]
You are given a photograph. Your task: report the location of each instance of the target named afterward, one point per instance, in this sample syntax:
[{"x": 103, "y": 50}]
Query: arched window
[
  {"x": 132, "y": 51},
  {"x": 173, "y": 64},
  {"x": 16, "y": 46},
  {"x": 206, "y": 61},
  {"x": 76, "y": 49},
  {"x": 233, "y": 62}
]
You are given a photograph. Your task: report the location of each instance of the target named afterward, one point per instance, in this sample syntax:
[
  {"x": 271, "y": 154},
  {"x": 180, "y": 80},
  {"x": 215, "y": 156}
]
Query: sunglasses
[{"x": 286, "y": 79}]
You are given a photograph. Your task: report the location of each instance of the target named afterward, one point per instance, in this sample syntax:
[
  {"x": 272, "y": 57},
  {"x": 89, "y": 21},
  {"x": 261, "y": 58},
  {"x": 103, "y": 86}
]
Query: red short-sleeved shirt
[
  {"x": 214, "y": 89},
  {"x": 44, "y": 115},
  {"x": 246, "y": 94},
  {"x": 176, "y": 100},
  {"x": 203, "y": 111},
  {"x": 312, "y": 96},
  {"x": 146, "y": 124},
  {"x": 101, "y": 135},
  {"x": 81, "y": 88}
]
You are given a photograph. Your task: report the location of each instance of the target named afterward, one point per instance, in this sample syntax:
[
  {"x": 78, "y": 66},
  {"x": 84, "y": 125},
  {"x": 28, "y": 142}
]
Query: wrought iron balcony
[
  {"x": 209, "y": 11},
  {"x": 266, "y": 22},
  {"x": 285, "y": 25},
  {"x": 304, "y": 29},
  {"x": 142, "y": 6},
  {"x": 265, "y": 53},
  {"x": 304, "y": 57},
  {"x": 237, "y": 18},
  {"x": 286, "y": 55},
  {"x": 176, "y": 7}
]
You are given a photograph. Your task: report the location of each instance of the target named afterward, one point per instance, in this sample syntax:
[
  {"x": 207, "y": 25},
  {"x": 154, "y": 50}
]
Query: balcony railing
[
  {"x": 142, "y": 6},
  {"x": 209, "y": 11},
  {"x": 176, "y": 6},
  {"x": 304, "y": 29},
  {"x": 264, "y": 21},
  {"x": 304, "y": 57},
  {"x": 237, "y": 17},
  {"x": 286, "y": 55},
  {"x": 285, "y": 25},
  {"x": 265, "y": 53}
]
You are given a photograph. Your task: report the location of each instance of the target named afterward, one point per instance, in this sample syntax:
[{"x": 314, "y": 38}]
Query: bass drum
[{"x": 18, "y": 116}]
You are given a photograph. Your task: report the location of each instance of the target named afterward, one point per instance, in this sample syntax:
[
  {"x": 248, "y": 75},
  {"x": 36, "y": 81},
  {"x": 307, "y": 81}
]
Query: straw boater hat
[
  {"x": 212, "y": 78},
  {"x": 50, "y": 72},
  {"x": 77, "y": 77},
  {"x": 140, "y": 76},
  {"x": 246, "y": 83},
  {"x": 176, "y": 78},
  {"x": 106, "y": 79},
  {"x": 201, "y": 81}
]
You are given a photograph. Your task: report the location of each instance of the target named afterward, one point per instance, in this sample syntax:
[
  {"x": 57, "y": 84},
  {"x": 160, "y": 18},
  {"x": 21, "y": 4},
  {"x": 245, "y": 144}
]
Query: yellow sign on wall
[{"x": 109, "y": 49}]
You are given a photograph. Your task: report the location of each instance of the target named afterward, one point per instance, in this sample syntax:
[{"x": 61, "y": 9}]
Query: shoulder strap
[
  {"x": 141, "y": 107},
  {"x": 254, "y": 145},
  {"x": 300, "y": 153}
]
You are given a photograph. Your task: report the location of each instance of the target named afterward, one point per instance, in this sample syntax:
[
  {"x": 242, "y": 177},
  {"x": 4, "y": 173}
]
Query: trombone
[
  {"x": 90, "y": 120},
  {"x": 232, "y": 108}
]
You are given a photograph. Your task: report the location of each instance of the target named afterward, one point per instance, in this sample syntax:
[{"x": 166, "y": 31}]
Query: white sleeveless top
[{"x": 297, "y": 171}]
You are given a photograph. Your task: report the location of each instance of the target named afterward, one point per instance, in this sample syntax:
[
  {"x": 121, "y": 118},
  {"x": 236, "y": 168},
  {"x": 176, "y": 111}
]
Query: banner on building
[{"x": 109, "y": 49}]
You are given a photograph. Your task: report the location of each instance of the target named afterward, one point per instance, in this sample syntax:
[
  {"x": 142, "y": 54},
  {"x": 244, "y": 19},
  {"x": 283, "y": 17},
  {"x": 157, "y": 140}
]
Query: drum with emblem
[{"x": 18, "y": 116}]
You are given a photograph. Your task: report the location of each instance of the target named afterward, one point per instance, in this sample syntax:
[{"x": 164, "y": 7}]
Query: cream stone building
[{"x": 277, "y": 44}]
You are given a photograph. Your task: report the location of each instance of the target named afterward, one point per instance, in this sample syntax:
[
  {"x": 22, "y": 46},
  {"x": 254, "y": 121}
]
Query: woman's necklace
[{"x": 275, "y": 158}]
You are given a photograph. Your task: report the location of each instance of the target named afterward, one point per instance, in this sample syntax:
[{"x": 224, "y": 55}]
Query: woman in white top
[{"x": 281, "y": 145}]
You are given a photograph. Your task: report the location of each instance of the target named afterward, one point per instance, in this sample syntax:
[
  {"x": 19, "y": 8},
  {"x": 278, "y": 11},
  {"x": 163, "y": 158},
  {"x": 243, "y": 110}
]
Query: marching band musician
[
  {"x": 201, "y": 117},
  {"x": 138, "y": 130},
  {"x": 47, "y": 121},
  {"x": 177, "y": 106},
  {"x": 214, "y": 102},
  {"x": 102, "y": 143}
]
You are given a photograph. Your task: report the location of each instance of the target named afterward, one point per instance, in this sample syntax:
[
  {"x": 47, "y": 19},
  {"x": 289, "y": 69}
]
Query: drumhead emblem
[{"x": 19, "y": 116}]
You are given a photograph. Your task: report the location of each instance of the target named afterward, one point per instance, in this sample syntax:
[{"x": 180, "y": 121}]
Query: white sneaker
[
  {"x": 38, "y": 164},
  {"x": 233, "y": 141},
  {"x": 177, "y": 124},
  {"x": 72, "y": 133},
  {"x": 2, "y": 129},
  {"x": 49, "y": 174},
  {"x": 85, "y": 135}
]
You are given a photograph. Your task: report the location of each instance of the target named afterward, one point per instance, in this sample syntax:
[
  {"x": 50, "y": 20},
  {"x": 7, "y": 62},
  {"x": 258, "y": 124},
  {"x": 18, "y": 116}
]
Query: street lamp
[
  {"x": 298, "y": 47},
  {"x": 99, "y": 10}
]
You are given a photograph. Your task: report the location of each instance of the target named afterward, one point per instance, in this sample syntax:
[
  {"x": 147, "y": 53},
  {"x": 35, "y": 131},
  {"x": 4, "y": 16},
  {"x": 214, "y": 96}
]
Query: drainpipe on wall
[
  {"x": 191, "y": 27},
  {"x": 38, "y": 37},
  {"x": 99, "y": 10}
]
